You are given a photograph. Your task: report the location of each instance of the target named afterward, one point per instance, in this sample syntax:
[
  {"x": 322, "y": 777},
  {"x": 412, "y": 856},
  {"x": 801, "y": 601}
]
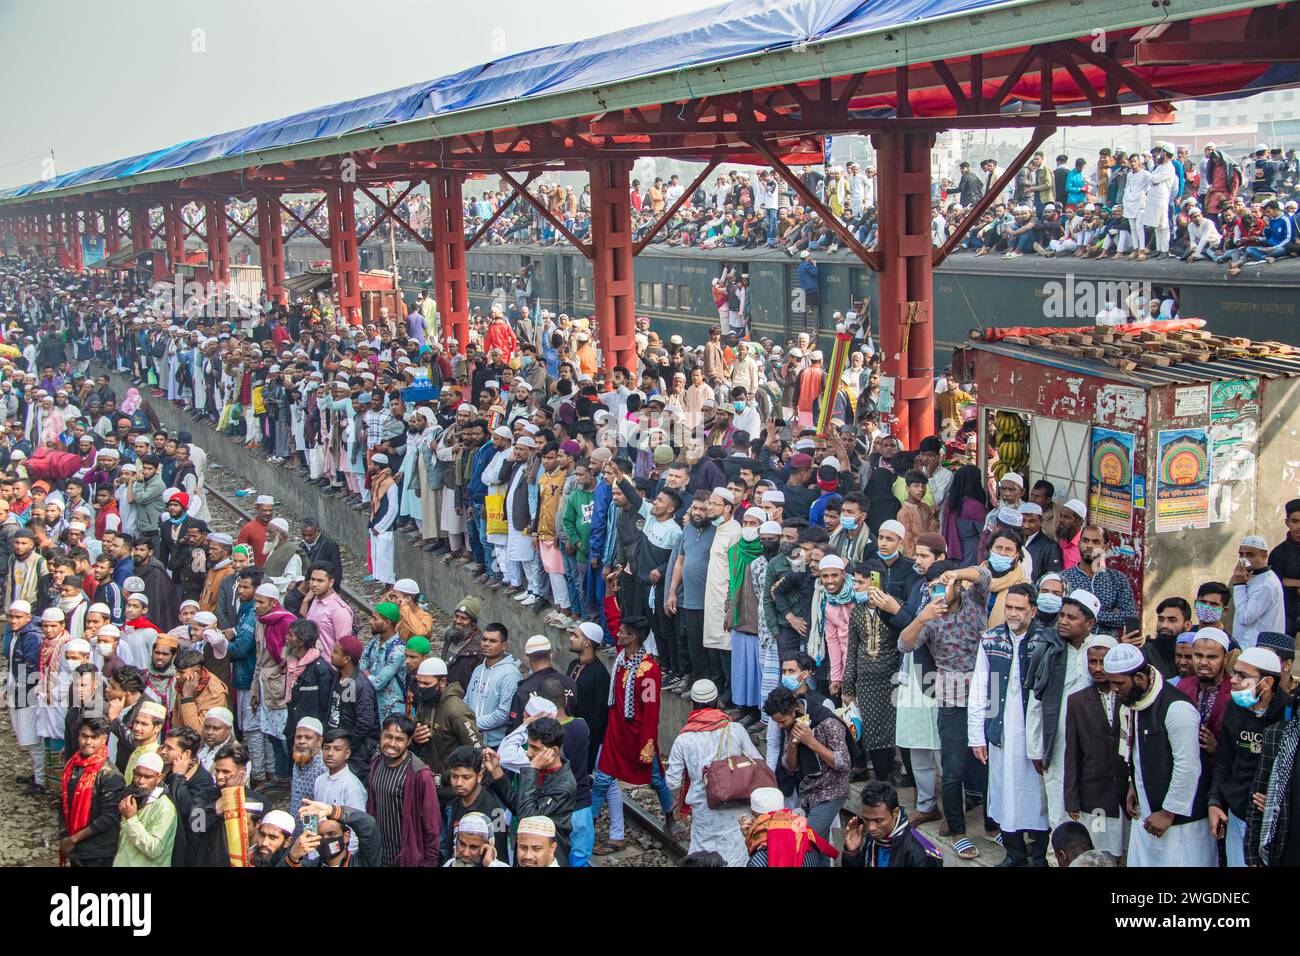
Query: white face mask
[
  {"x": 106, "y": 649},
  {"x": 749, "y": 534},
  {"x": 70, "y": 665}
]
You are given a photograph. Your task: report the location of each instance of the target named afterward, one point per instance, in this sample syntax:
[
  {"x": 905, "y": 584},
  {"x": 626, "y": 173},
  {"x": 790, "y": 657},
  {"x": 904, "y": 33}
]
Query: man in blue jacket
[{"x": 808, "y": 282}]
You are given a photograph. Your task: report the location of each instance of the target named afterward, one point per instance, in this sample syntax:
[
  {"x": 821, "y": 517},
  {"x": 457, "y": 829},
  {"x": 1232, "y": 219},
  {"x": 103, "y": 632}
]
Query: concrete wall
[{"x": 444, "y": 585}]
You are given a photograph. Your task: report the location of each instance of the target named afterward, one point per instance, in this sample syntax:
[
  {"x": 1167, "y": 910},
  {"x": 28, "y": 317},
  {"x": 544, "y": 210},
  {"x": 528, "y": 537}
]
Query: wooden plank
[
  {"x": 1123, "y": 364},
  {"x": 1150, "y": 359}
]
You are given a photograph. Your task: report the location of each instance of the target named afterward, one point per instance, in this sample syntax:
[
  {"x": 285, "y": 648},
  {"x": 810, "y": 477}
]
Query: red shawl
[
  {"x": 78, "y": 814},
  {"x": 275, "y": 627},
  {"x": 787, "y": 837}
]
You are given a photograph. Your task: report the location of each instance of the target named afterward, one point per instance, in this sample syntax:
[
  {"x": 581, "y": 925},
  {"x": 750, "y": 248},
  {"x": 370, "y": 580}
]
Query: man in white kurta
[
  {"x": 1139, "y": 685},
  {"x": 708, "y": 736},
  {"x": 722, "y": 504},
  {"x": 1015, "y": 796},
  {"x": 492, "y": 479}
]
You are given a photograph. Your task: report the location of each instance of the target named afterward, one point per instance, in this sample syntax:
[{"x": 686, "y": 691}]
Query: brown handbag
[{"x": 729, "y": 781}]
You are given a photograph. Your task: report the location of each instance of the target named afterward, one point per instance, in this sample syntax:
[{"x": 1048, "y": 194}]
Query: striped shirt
[{"x": 387, "y": 785}]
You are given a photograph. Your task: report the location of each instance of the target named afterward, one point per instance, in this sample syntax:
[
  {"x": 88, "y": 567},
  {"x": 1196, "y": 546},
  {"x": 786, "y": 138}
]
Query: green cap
[
  {"x": 388, "y": 610},
  {"x": 418, "y": 644}
]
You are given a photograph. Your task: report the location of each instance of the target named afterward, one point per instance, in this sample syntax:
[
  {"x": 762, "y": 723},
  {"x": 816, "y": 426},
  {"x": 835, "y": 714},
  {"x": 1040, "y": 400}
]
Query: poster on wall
[
  {"x": 1234, "y": 439},
  {"x": 1234, "y": 399},
  {"x": 1110, "y": 484},
  {"x": 1182, "y": 480}
]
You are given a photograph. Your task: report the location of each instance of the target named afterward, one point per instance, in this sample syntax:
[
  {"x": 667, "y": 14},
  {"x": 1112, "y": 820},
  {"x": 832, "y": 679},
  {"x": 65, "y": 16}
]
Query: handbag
[
  {"x": 729, "y": 781},
  {"x": 494, "y": 508}
]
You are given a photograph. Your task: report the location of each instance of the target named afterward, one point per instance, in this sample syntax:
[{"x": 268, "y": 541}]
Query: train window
[
  {"x": 670, "y": 296},
  {"x": 684, "y": 297},
  {"x": 643, "y": 294},
  {"x": 658, "y": 289},
  {"x": 583, "y": 293}
]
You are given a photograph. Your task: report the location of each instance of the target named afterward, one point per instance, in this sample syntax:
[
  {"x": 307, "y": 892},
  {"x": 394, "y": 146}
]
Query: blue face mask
[
  {"x": 1049, "y": 603},
  {"x": 738, "y": 406},
  {"x": 1245, "y": 698},
  {"x": 790, "y": 682},
  {"x": 526, "y": 360},
  {"x": 862, "y": 597},
  {"x": 718, "y": 520},
  {"x": 882, "y": 555},
  {"x": 848, "y": 522},
  {"x": 1000, "y": 562}
]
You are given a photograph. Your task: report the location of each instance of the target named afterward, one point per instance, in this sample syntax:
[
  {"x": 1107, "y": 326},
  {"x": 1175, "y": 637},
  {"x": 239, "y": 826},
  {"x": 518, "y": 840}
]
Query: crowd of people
[{"x": 831, "y": 605}]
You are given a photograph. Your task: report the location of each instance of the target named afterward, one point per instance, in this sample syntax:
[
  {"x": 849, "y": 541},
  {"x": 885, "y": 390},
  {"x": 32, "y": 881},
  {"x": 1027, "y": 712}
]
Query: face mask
[
  {"x": 861, "y": 597},
  {"x": 106, "y": 650},
  {"x": 1049, "y": 603},
  {"x": 749, "y": 534},
  {"x": 331, "y": 848},
  {"x": 848, "y": 522},
  {"x": 797, "y": 564},
  {"x": 1000, "y": 562},
  {"x": 790, "y": 682},
  {"x": 1245, "y": 698},
  {"x": 771, "y": 549},
  {"x": 738, "y": 406},
  {"x": 427, "y": 695},
  {"x": 718, "y": 520},
  {"x": 883, "y": 556},
  {"x": 527, "y": 361},
  {"x": 1208, "y": 613},
  {"x": 70, "y": 665},
  {"x": 787, "y": 547}
]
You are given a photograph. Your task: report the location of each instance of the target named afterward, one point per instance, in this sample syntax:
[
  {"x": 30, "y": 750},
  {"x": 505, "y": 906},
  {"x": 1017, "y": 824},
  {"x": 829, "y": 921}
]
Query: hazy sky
[{"x": 97, "y": 80}]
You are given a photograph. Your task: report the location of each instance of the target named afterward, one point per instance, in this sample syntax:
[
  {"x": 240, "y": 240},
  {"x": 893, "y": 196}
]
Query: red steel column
[
  {"x": 270, "y": 248},
  {"x": 611, "y": 266},
  {"x": 450, "y": 280},
  {"x": 112, "y": 231},
  {"x": 174, "y": 234},
  {"x": 906, "y": 289},
  {"x": 62, "y": 229},
  {"x": 72, "y": 221},
  {"x": 341, "y": 204},
  {"x": 48, "y": 246},
  {"x": 218, "y": 241}
]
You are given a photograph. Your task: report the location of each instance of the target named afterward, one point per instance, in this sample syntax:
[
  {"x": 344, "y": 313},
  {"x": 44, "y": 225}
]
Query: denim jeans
[
  {"x": 771, "y": 225},
  {"x": 573, "y": 579},
  {"x": 955, "y": 752},
  {"x": 1258, "y": 253},
  {"x": 489, "y": 550},
  {"x": 583, "y": 837},
  {"x": 604, "y": 787},
  {"x": 472, "y": 536}
]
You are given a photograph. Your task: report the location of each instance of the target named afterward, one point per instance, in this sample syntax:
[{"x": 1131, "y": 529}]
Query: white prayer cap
[
  {"x": 466, "y": 407},
  {"x": 531, "y": 428},
  {"x": 492, "y": 383},
  {"x": 77, "y": 645},
  {"x": 133, "y": 584},
  {"x": 1099, "y": 640},
  {"x": 774, "y": 497},
  {"x": 537, "y": 644},
  {"x": 1254, "y": 541},
  {"x": 769, "y": 527},
  {"x": 23, "y": 607},
  {"x": 279, "y": 524},
  {"x": 600, "y": 416},
  {"x": 817, "y": 355},
  {"x": 756, "y": 513},
  {"x": 432, "y": 667},
  {"x": 1087, "y": 600},
  {"x": 725, "y": 494},
  {"x": 796, "y": 353},
  {"x": 406, "y": 586},
  {"x": 280, "y": 820},
  {"x": 221, "y": 537},
  {"x": 311, "y": 723},
  {"x": 128, "y": 466},
  {"x": 538, "y": 706},
  {"x": 895, "y": 527},
  {"x": 537, "y": 826},
  {"x": 1029, "y": 508},
  {"x": 221, "y": 715},
  {"x": 1078, "y": 507},
  {"x": 1015, "y": 479},
  {"x": 153, "y": 709},
  {"x": 766, "y": 800},
  {"x": 704, "y": 691},
  {"x": 805, "y": 444},
  {"x": 830, "y": 461},
  {"x": 139, "y": 597},
  {"x": 109, "y": 630},
  {"x": 264, "y": 500},
  {"x": 1219, "y": 637},
  {"x": 77, "y": 526},
  {"x": 52, "y": 614},
  {"x": 1010, "y": 517},
  {"x": 475, "y": 823},
  {"x": 831, "y": 562},
  {"x": 1261, "y": 658},
  {"x": 150, "y": 761},
  {"x": 267, "y": 590},
  {"x": 591, "y": 631},
  {"x": 502, "y": 432},
  {"x": 1123, "y": 659},
  {"x": 380, "y": 459},
  {"x": 525, "y": 441}
]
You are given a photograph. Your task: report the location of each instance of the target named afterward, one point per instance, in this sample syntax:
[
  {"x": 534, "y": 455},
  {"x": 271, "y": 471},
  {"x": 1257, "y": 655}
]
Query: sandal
[
  {"x": 605, "y": 849},
  {"x": 965, "y": 849}
]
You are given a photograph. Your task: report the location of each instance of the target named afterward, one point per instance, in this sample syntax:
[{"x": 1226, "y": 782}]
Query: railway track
[{"x": 637, "y": 815}]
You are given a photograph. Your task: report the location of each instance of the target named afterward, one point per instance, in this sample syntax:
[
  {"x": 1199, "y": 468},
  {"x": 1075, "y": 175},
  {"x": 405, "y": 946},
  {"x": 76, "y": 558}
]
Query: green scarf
[{"x": 740, "y": 556}]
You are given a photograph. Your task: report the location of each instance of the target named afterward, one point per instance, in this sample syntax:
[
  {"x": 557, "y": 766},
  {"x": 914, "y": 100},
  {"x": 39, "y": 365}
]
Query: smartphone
[
  {"x": 875, "y": 580},
  {"x": 311, "y": 822},
  {"x": 1132, "y": 624}
]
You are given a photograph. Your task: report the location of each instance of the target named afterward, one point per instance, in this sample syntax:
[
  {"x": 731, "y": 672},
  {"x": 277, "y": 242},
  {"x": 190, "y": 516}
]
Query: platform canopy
[{"x": 702, "y": 85}]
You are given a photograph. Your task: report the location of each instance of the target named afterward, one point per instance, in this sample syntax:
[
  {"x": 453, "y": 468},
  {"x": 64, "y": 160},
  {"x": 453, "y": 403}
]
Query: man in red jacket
[
  {"x": 403, "y": 799},
  {"x": 630, "y": 751},
  {"x": 500, "y": 336}
]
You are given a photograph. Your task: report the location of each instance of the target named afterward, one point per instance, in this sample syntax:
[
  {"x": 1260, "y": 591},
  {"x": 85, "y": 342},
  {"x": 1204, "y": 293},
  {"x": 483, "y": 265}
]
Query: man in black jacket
[
  {"x": 192, "y": 790},
  {"x": 317, "y": 546},
  {"x": 1043, "y": 551},
  {"x": 1096, "y": 776},
  {"x": 880, "y": 837},
  {"x": 353, "y": 705},
  {"x": 90, "y": 828},
  {"x": 313, "y": 690},
  {"x": 546, "y": 787},
  {"x": 541, "y": 665},
  {"x": 1258, "y": 702}
]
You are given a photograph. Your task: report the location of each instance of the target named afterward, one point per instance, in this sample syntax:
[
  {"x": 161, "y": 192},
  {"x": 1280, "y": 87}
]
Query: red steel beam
[
  {"x": 218, "y": 241},
  {"x": 473, "y": 240},
  {"x": 304, "y": 222},
  {"x": 341, "y": 204},
  {"x": 390, "y": 212},
  {"x": 528, "y": 197}
]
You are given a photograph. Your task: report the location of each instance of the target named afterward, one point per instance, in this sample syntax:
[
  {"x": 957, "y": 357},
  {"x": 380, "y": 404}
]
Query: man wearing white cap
[
  {"x": 283, "y": 565},
  {"x": 148, "y": 829},
  {"x": 717, "y": 590},
  {"x": 308, "y": 765},
  {"x": 1069, "y": 529},
  {"x": 1258, "y": 702},
  {"x": 1257, "y": 598},
  {"x": 253, "y": 533},
  {"x": 1058, "y": 667},
  {"x": 1161, "y": 743},
  {"x": 383, "y": 507},
  {"x": 218, "y": 730},
  {"x": 1044, "y": 553},
  {"x": 473, "y": 844},
  {"x": 1096, "y": 776},
  {"x": 709, "y": 735}
]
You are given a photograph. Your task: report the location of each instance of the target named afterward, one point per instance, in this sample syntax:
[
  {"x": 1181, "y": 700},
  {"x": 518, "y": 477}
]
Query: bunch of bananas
[{"x": 1011, "y": 438}]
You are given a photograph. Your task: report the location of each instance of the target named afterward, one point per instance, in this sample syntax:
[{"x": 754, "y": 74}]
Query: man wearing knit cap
[
  {"x": 462, "y": 650},
  {"x": 148, "y": 828},
  {"x": 708, "y": 735},
  {"x": 1161, "y": 744},
  {"x": 1258, "y": 702},
  {"x": 354, "y": 707},
  {"x": 1096, "y": 776},
  {"x": 717, "y": 588},
  {"x": 1258, "y": 601}
]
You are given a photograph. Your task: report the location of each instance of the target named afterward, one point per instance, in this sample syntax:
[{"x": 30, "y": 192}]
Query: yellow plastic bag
[
  {"x": 494, "y": 507},
  {"x": 259, "y": 404}
]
